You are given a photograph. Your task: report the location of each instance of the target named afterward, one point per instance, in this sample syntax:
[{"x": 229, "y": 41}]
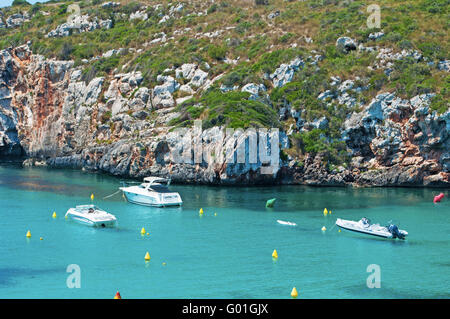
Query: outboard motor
[{"x": 393, "y": 229}]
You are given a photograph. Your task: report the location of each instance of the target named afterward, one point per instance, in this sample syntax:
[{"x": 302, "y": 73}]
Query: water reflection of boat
[
  {"x": 365, "y": 227},
  {"x": 154, "y": 191},
  {"x": 91, "y": 215}
]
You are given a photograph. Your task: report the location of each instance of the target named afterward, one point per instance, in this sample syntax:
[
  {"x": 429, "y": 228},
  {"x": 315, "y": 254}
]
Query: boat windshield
[
  {"x": 160, "y": 188},
  {"x": 365, "y": 221},
  {"x": 87, "y": 208},
  {"x": 157, "y": 187}
]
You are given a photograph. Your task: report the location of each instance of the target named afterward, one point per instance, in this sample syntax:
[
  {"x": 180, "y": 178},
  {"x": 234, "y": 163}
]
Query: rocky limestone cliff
[{"x": 115, "y": 125}]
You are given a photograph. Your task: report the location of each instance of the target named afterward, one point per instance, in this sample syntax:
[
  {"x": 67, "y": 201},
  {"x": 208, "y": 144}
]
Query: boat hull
[
  {"x": 360, "y": 231},
  {"x": 84, "y": 219},
  {"x": 153, "y": 201},
  {"x": 372, "y": 230},
  {"x": 87, "y": 222}
]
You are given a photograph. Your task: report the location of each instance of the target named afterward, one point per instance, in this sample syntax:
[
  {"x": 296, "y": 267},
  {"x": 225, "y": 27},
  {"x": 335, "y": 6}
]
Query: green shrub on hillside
[
  {"x": 231, "y": 109},
  {"x": 439, "y": 103},
  {"x": 240, "y": 76},
  {"x": 410, "y": 78},
  {"x": 20, "y": 3},
  {"x": 217, "y": 52},
  {"x": 65, "y": 52},
  {"x": 268, "y": 62},
  {"x": 433, "y": 6},
  {"x": 315, "y": 142},
  {"x": 100, "y": 67}
]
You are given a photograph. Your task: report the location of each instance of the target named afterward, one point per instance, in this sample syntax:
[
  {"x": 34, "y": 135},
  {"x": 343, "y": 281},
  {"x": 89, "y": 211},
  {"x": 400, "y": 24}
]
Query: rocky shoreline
[{"x": 313, "y": 175}]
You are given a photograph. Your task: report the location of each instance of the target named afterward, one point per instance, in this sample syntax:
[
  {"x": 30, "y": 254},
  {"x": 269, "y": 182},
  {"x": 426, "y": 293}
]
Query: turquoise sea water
[{"x": 223, "y": 256}]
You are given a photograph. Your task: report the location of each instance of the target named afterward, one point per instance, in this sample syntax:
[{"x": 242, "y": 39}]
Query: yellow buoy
[
  {"x": 215, "y": 214},
  {"x": 92, "y": 196},
  {"x": 143, "y": 231},
  {"x": 329, "y": 212},
  {"x": 274, "y": 254},
  {"x": 325, "y": 212},
  {"x": 148, "y": 234},
  {"x": 294, "y": 293},
  {"x": 200, "y": 211},
  {"x": 54, "y": 215},
  {"x": 164, "y": 264},
  {"x": 339, "y": 231},
  {"x": 41, "y": 238},
  {"x": 147, "y": 256},
  {"x": 28, "y": 234},
  {"x": 324, "y": 228}
]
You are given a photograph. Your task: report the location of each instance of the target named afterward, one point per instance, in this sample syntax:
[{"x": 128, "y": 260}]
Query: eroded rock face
[
  {"x": 79, "y": 24},
  {"x": 49, "y": 114},
  {"x": 285, "y": 72},
  {"x": 255, "y": 90},
  {"x": 141, "y": 15},
  {"x": 402, "y": 141},
  {"x": 444, "y": 65},
  {"x": 110, "y": 4},
  {"x": 17, "y": 19},
  {"x": 162, "y": 94},
  {"x": 376, "y": 35},
  {"x": 116, "y": 125},
  {"x": 273, "y": 15},
  {"x": 346, "y": 44}
]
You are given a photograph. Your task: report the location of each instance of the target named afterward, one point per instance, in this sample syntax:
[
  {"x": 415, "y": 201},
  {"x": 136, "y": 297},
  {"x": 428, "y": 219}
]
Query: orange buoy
[{"x": 117, "y": 296}]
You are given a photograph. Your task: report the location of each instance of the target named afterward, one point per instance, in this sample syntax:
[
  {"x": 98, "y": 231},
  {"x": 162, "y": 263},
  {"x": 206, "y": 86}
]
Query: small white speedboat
[
  {"x": 365, "y": 227},
  {"x": 282, "y": 222},
  {"x": 154, "y": 191},
  {"x": 91, "y": 215}
]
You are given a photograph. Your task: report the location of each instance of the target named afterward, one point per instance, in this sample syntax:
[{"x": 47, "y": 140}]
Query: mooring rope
[
  {"x": 333, "y": 227},
  {"x": 111, "y": 194}
]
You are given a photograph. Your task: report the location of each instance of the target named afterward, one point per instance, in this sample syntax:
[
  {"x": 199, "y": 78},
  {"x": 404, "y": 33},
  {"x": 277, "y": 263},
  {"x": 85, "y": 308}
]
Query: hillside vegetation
[{"x": 244, "y": 42}]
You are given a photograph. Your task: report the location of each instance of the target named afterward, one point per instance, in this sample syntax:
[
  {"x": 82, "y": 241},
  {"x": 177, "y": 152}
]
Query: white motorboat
[
  {"x": 154, "y": 191},
  {"x": 365, "y": 227},
  {"x": 91, "y": 215}
]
